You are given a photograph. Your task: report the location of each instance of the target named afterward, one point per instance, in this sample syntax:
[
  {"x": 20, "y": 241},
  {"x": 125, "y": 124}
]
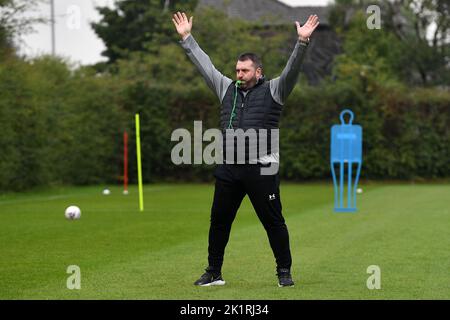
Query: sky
[{"x": 75, "y": 39}]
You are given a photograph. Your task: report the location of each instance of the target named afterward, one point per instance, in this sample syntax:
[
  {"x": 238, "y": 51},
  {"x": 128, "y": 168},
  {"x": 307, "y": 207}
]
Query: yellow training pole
[{"x": 138, "y": 153}]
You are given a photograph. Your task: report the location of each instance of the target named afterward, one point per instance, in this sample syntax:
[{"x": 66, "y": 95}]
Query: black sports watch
[{"x": 304, "y": 42}]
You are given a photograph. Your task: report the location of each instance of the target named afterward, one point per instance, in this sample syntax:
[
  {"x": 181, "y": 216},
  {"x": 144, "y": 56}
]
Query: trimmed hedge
[{"x": 65, "y": 127}]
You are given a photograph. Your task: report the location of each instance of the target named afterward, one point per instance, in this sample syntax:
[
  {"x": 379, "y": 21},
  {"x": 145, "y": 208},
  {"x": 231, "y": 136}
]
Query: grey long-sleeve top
[{"x": 280, "y": 87}]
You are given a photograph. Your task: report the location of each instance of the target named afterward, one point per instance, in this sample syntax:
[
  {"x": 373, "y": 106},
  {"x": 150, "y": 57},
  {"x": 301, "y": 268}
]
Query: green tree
[
  {"x": 14, "y": 22},
  {"x": 137, "y": 25},
  {"x": 417, "y": 31},
  {"x": 422, "y": 27}
]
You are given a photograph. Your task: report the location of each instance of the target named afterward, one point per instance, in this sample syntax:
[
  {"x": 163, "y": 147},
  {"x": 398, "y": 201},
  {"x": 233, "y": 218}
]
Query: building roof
[{"x": 267, "y": 11}]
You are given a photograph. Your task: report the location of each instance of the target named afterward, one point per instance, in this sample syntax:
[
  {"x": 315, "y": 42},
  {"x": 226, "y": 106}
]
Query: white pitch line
[
  {"x": 41, "y": 199},
  {"x": 63, "y": 196}
]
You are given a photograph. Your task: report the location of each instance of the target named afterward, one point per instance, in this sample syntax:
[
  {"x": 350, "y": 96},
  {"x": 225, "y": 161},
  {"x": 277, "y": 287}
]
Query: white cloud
[{"x": 75, "y": 39}]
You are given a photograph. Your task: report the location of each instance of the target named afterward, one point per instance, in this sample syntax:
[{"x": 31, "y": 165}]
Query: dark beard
[{"x": 249, "y": 84}]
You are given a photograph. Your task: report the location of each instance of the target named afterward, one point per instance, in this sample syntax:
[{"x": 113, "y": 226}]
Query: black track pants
[{"x": 233, "y": 182}]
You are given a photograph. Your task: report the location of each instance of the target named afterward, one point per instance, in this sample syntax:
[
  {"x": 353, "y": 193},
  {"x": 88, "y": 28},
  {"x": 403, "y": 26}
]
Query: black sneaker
[
  {"x": 210, "y": 278},
  {"x": 284, "y": 278}
]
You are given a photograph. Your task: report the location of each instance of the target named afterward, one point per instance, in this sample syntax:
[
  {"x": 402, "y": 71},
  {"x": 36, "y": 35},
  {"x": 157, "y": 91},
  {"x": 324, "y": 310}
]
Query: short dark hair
[{"x": 253, "y": 57}]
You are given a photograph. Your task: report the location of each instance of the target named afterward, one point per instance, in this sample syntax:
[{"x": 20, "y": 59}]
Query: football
[{"x": 73, "y": 213}]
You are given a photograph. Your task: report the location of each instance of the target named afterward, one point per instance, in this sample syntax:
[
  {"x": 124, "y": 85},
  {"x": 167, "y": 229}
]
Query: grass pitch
[{"x": 157, "y": 254}]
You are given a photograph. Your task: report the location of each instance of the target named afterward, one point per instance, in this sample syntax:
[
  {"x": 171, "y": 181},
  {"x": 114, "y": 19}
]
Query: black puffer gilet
[{"x": 258, "y": 110}]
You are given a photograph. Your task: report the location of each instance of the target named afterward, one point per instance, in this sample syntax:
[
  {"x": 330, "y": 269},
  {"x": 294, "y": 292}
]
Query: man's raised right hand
[{"x": 182, "y": 24}]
